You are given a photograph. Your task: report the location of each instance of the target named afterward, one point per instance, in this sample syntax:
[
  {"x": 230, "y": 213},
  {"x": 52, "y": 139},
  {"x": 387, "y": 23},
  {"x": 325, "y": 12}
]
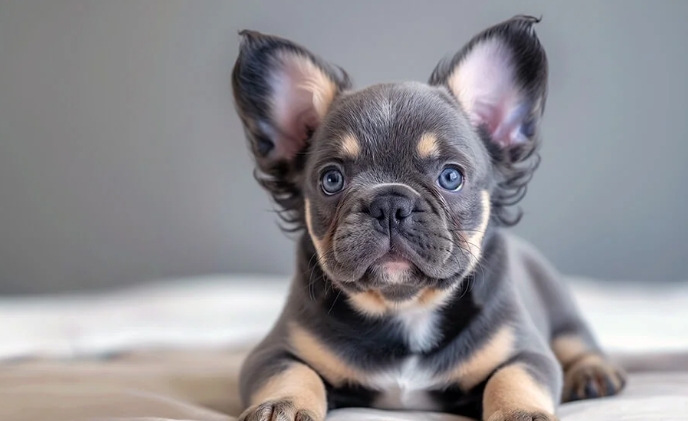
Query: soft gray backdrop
[{"x": 122, "y": 160}]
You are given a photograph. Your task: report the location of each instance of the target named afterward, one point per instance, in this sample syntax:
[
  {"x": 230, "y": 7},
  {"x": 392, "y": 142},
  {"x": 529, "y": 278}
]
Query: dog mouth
[
  {"x": 390, "y": 261},
  {"x": 417, "y": 252},
  {"x": 393, "y": 263},
  {"x": 392, "y": 269}
]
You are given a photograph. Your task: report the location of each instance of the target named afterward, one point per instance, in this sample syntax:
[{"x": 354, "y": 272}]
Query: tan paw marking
[
  {"x": 281, "y": 410},
  {"x": 592, "y": 376}
]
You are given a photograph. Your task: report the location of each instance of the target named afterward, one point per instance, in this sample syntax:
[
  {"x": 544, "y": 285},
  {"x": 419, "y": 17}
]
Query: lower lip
[{"x": 396, "y": 266}]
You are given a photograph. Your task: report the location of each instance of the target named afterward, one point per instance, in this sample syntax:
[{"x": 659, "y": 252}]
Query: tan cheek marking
[
  {"x": 483, "y": 361},
  {"x": 475, "y": 239},
  {"x": 569, "y": 347},
  {"x": 513, "y": 389},
  {"x": 321, "y": 244},
  {"x": 430, "y": 297},
  {"x": 350, "y": 146},
  {"x": 372, "y": 303},
  {"x": 298, "y": 384},
  {"x": 433, "y": 297},
  {"x": 427, "y": 146},
  {"x": 317, "y": 83},
  {"x": 321, "y": 358},
  {"x": 369, "y": 303}
]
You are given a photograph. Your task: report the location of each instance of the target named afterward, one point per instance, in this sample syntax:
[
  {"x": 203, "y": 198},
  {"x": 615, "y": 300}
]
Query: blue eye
[
  {"x": 332, "y": 181},
  {"x": 450, "y": 179}
]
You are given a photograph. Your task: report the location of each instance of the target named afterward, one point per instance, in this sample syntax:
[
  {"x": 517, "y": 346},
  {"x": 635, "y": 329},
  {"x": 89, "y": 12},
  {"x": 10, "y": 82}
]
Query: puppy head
[{"x": 396, "y": 184}]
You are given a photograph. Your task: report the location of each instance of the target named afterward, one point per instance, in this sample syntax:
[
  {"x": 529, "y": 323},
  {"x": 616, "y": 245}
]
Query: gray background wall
[{"x": 121, "y": 158}]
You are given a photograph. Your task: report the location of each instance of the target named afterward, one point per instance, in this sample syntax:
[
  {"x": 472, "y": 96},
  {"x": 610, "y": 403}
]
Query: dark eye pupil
[
  {"x": 332, "y": 182},
  {"x": 450, "y": 179}
]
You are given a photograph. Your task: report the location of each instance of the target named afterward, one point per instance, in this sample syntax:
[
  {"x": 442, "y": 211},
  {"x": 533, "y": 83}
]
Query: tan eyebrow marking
[
  {"x": 350, "y": 146},
  {"x": 427, "y": 146}
]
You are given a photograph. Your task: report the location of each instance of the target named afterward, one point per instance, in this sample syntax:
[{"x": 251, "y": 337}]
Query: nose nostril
[{"x": 390, "y": 211}]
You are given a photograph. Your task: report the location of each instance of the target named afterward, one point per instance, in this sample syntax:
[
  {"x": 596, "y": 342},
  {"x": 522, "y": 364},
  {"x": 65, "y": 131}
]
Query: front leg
[
  {"x": 295, "y": 393},
  {"x": 276, "y": 386},
  {"x": 525, "y": 389}
]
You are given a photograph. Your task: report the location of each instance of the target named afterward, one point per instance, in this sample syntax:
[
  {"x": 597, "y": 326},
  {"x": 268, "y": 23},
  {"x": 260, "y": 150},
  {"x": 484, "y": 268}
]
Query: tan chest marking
[
  {"x": 325, "y": 361},
  {"x": 403, "y": 386},
  {"x": 484, "y": 360}
]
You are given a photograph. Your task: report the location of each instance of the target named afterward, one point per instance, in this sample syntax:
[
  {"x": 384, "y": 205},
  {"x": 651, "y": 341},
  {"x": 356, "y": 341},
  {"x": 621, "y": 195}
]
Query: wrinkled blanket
[
  {"x": 202, "y": 386},
  {"x": 172, "y": 351}
]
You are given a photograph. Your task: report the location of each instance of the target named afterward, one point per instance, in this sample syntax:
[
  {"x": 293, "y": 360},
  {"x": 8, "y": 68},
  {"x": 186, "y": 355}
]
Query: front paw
[
  {"x": 522, "y": 415},
  {"x": 592, "y": 377},
  {"x": 281, "y": 410}
]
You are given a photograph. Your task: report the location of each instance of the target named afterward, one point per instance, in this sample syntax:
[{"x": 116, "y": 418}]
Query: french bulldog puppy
[{"x": 409, "y": 294}]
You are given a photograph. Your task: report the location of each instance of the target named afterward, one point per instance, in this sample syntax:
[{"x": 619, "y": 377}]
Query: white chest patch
[
  {"x": 405, "y": 387},
  {"x": 419, "y": 326}
]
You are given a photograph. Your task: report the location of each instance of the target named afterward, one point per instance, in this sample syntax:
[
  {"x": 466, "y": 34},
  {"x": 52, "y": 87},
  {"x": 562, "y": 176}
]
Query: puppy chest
[{"x": 405, "y": 386}]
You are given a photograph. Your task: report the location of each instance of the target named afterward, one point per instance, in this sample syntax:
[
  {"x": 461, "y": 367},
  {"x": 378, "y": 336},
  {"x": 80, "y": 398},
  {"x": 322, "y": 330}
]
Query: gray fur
[{"x": 500, "y": 282}]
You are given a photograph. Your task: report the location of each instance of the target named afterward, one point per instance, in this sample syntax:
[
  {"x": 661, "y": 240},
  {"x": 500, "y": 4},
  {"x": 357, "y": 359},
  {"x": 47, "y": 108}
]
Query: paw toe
[
  {"x": 593, "y": 377},
  {"x": 521, "y": 415},
  {"x": 304, "y": 416},
  {"x": 283, "y": 410}
]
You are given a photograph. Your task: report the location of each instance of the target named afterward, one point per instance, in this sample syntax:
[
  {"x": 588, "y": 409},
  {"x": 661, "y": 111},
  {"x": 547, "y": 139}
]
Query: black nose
[{"x": 390, "y": 209}]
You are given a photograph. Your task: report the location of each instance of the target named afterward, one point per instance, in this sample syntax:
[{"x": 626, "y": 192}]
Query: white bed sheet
[{"x": 236, "y": 310}]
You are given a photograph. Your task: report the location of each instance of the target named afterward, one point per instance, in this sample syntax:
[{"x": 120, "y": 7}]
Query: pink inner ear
[
  {"x": 484, "y": 85},
  {"x": 298, "y": 87}
]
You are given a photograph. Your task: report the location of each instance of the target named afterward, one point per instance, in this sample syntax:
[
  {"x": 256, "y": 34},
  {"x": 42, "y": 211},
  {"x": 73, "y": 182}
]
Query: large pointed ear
[
  {"x": 500, "y": 80},
  {"x": 281, "y": 92}
]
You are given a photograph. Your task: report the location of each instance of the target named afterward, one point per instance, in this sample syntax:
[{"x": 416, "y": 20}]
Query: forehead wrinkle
[
  {"x": 389, "y": 119},
  {"x": 374, "y": 119},
  {"x": 365, "y": 115}
]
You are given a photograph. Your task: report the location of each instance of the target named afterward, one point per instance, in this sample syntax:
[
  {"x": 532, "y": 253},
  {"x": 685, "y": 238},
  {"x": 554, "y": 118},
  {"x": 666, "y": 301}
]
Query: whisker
[{"x": 334, "y": 302}]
